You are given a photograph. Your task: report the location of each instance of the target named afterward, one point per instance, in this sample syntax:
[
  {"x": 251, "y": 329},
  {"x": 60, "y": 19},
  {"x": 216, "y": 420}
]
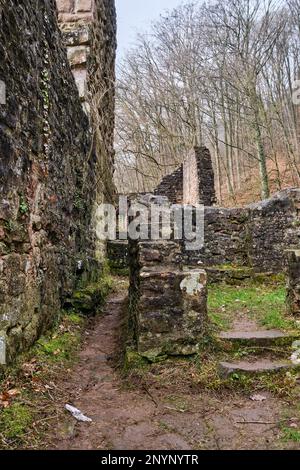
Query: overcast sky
[{"x": 136, "y": 15}]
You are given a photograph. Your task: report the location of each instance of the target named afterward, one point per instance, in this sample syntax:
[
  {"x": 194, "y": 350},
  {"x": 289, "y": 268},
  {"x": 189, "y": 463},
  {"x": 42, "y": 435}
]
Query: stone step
[
  {"x": 263, "y": 338},
  {"x": 227, "y": 369}
]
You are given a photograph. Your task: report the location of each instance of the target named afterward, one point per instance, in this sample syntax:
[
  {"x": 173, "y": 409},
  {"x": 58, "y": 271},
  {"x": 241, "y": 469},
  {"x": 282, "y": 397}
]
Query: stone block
[
  {"x": 65, "y": 6},
  {"x": 80, "y": 76},
  {"x": 173, "y": 318},
  {"x": 78, "y": 55},
  {"x": 83, "y": 6},
  {"x": 159, "y": 253},
  {"x": 2, "y": 349},
  {"x": 293, "y": 282},
  {"x": 75, "y": 18},
  {"x": 264, "y": 366},
  {"x": 77, "y": 36}
]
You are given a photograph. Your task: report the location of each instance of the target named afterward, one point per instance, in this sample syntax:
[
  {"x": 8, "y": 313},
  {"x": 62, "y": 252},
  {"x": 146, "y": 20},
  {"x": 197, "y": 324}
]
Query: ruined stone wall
[
  {"x": 172, "y": 187},
  {"x": 193, "y": 182},
  {"x": 293, "y": 282},
  {"x": 225, "y": 237},
  {"x": 89, "y": 30},
  {"x": 256, "y": 236},
  {"x": 101, "y": 87},
  {"x": 167, "y": 303},
  {"x": 48, "y": 185},
  {"x": 191, "y": 193},
  {"x": 198, "y": 178},
  {"x": 75, "y": 19}
]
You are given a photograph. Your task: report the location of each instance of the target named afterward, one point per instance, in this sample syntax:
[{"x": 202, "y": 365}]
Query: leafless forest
[{"x": 221, "y": 74}]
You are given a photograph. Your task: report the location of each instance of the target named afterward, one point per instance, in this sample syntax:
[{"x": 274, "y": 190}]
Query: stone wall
[
  {"x": 89, "y": 30},
  {"x": 75, "y": 19},
  {"x": 293, "y": 282},
  {"x": 48, "y": 184},
  {"x": 168, "y": 304},
  {"x": 167, "y": 299},
  {"x": 101, "y": 86},
  {"x": 255, "y": 236},
  {"x": 172, "y": 187},
  {"x": 198, "y": 178},
  {"x": 193, "y": 182}
]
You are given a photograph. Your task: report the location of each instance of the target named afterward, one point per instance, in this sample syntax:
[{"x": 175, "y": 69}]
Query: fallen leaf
[
  {"x": 13, "y": 393},
  {"x": 4, "y": 397}
]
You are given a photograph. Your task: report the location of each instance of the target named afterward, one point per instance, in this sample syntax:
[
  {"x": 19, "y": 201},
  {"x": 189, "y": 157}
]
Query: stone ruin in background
[
  {"x": 168, "y": 283},
  {"x": 193, "y": 182}
]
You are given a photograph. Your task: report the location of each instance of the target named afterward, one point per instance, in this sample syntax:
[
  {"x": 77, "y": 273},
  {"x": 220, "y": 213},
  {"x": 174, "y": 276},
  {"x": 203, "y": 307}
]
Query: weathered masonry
[
  {"x": 51, "y": 161},
  {"x": 293, "y": 284},
  {"x": 168, "y": 280},
  {"x": 76, "y": 19},
  {"x": 167, "y": 300},
  {"x": 193, "y": 182},
  {"x": 89, "y": 32},
  {"x": 255, "y": 236}
]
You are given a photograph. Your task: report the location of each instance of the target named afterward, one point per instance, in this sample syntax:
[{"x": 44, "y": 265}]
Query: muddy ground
[{"x": 159, "y": 416}]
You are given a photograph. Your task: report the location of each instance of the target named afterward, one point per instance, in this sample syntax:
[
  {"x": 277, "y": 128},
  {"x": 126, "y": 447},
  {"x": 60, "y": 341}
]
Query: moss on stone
[
  {"x": 123, "y": 272},
  {"x": 75, "y": 318},
  {"x": 235, "y": 275},
  {"x": 133, "y": 360},
  {"x": 154, "y": 356},
  {"x": 23, "y": 205},
  {"x": 88, "y": 300}
]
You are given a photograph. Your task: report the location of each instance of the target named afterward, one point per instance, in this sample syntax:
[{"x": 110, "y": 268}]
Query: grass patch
[
  {"x": 62, "y": 343},
  {"x": 15, "y": 420},
  {"x": 28, "y": 413},
  {"x": 264, "y": 303},
  {"x": 57, "y": 348},
  {"x": 201, "y": 373},
  {"x": 290, "y": 434}
]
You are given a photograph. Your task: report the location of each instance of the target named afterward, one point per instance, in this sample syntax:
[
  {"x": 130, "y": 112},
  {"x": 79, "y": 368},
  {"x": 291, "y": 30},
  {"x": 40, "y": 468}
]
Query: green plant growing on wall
[
  {"x": 45, "y": 92},
  {"x": 78, "y": 201},
  {"x": 23, "y": 207},
  {"x": 11, "y": 226}
]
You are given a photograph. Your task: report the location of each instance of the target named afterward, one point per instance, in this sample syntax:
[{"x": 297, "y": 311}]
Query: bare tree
[{"x": 219, "y": 74}]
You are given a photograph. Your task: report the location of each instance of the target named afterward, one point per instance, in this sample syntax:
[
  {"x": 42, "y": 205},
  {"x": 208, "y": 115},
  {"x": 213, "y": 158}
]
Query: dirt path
[{"x": 156, "y": 419}]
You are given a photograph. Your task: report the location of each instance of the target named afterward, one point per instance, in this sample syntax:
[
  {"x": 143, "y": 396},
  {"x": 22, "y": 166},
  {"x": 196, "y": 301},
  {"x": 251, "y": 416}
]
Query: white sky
[{"x": 136, "y": 15}]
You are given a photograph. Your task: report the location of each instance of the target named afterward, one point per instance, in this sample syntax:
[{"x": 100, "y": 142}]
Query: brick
[
  {"x": 83, "y": 6},
  {"x": 75, "y": 18},
  {"x": 65, "y": 6},
  {"x": 77, "y": 55},
  {"x": 80, "y": 76}
]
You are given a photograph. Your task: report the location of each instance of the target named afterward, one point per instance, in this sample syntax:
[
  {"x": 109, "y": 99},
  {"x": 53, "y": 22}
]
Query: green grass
[
  {"x": 290, "y": 434},
  {"x": 48, "y": 358},
  {"x": 58, "y": 348},
  {"x": 264, "y": 303},
  {"x": 15, "y": 420},
  {"x": 62, "y": 343}
]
